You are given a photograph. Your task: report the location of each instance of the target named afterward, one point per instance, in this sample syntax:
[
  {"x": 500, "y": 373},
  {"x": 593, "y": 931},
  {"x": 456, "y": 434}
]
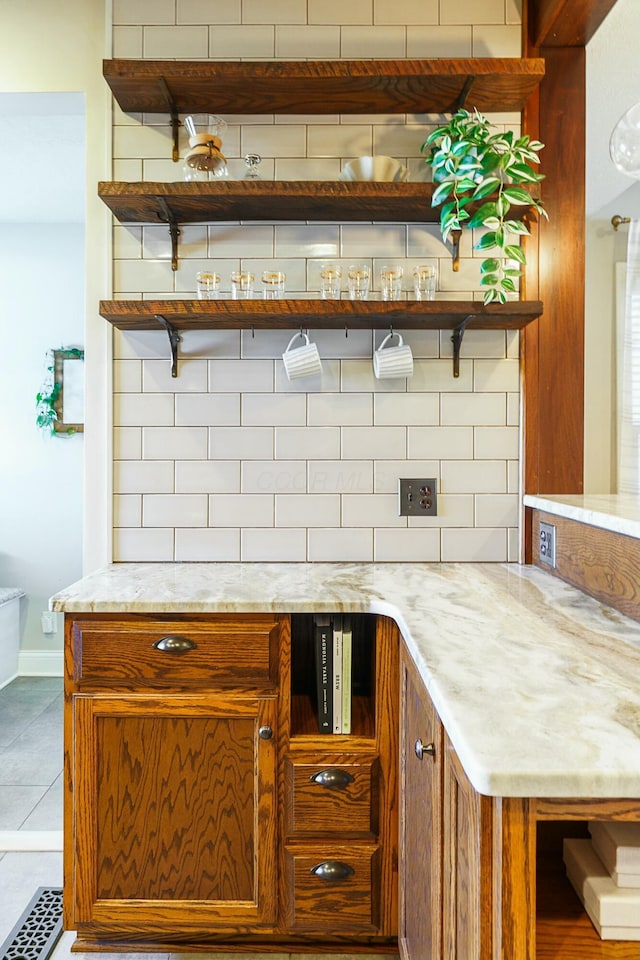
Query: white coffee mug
[
  {"x": 393, "y": 361},
  {"x": 301, "y": 361}
]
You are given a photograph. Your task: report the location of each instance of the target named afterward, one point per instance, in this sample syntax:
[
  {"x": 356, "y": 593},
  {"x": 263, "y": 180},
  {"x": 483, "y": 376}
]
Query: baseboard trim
[
  {"x": 30, "y": 840},
  {"x": 40, "y": 663}
]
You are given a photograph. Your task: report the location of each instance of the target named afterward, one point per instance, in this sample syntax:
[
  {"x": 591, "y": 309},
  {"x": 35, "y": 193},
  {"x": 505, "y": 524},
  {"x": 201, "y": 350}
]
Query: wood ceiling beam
[{"x": 566, "y": 23}]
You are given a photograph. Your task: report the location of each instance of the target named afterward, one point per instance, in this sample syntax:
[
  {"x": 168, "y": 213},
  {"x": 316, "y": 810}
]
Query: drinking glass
[
  {"x": 208, "y": 285},
  {"x": 273, "y": 284},
  {"x": 424, "y": 281},
  {"x": 241, "y": 285},
  {"x": 358, "y": 278},
  {"x": 252, "y": 160},
  {"x": 330, "y": 277},
  {"x": 391, "y": 281}
]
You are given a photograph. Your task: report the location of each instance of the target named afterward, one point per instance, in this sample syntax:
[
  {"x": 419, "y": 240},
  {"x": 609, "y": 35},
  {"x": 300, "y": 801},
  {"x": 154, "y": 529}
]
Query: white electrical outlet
[{"x": 48, "y": 621}]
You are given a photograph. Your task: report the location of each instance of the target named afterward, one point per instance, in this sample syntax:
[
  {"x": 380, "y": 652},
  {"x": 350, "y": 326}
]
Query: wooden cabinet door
[
  {"x": 420, "y": 819},
  {"x": 467, "y": 865},
  {"x": 174, "y": 814}
]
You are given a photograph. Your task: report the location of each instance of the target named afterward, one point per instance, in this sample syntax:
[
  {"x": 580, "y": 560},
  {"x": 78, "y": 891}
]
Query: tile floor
[{"x": 31, "y": 800}]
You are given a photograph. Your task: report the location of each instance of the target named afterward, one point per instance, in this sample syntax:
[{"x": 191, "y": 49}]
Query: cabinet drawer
[
  {"x": 333, "y": 887},
  {"x": 159, "y": 651},
  {"x": 336, "y": 797}
]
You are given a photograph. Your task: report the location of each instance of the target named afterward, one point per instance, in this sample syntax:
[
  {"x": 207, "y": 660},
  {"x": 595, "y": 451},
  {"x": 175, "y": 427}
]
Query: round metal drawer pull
[
  {"x": 332, "y": 870},
  {"x": 175, "y": 644},
  {"x": 265, "y": 732},
  {"x": 422, "y": 748},
  {"x": 333, "y": 778}
]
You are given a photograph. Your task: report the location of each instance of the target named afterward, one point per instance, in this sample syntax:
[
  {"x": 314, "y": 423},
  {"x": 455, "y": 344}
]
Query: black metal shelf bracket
[
  {"x": 456, "y": 236},
  {"x": 174, "y": 340},
  {"x": 456, "y": 339},
  {"x": 464, "y": 93},
  {"x": 175, "y": 120},
  {"x": 174, "y": 230}
]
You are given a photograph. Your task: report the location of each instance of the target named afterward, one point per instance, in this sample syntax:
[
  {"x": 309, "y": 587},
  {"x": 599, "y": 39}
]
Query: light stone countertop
[
  {"x": 619, "y": 513},
  {"x": 537, "y": 684}
]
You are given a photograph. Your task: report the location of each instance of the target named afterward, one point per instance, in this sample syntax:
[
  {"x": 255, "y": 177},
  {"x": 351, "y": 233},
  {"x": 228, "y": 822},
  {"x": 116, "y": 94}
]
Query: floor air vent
[{"x": 38, "y": 929}]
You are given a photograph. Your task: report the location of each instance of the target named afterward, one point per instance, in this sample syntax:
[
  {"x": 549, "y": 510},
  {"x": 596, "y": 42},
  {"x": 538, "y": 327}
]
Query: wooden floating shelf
[
  {"x": 174, "y": 316},
  {"x": 322, "y": 86},
  {"x": 334, "y": 200}
]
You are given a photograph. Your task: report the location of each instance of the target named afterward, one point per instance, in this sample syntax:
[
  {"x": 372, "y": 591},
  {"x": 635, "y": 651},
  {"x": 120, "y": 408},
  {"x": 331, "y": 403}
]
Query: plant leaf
[
  {"x": 517, "y": 195},
  {"x": 517, "y": 226},
  {"x": 508, "y": 284},
  {"x": 486, "y": 241},
  {"x": 442, "y": 192},
  {"x": 490, "y": 265},
  {"x": 522, "y": 172},
  {"x": 489, "y": 280},
  {"x": 486, "y": 186},
  {"x": 515, "y": 253}
]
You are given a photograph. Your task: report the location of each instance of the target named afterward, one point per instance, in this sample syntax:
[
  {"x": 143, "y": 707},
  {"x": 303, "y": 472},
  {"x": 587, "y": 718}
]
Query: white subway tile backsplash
[
  {"x": 339, "y": 409},
  {"x": 143, "y": 476},
  {"x": 307, "y": 442},
  {"x": 212, "y": 545},
  {"x": 269, "y": 476},
  {"x": 131, "y": 545},
  {"x": 319, "y": 43},
  {"x": 514, "y": 546},
  {"x": 374, "y": 443},
  {"x": 437, "y": 375},
  {"x": 307, "y": 510},
  {"x": 440, "y": 443},
  {"x": 496, "y": 375},
  {"x": 136, "y": 409},
  {"x": 273, "y": 409},
  {"x": 493, "y": 443},
  {"x": 127, "y": 376},
  {"x": 144, "y": 11},
  {"x": 209, "y": 11},
  {"x": 405, "y": 11},
  {"x": 208, "y": 409},
  {"x": 477, "y": 545},
  {"x": 174, "y": 510},
  {"x": 175, "y": 443},
  {"x": 494, "y": 510},
  {"x": 241, "y": 510},
  {"x": 442, "y": 41},
  {"x": 231, "y": 460},
  {"x": 406, "y": 546},
  {"x": 156, "y": 377},
  {"x": 275, "y": 11},
  {"x": 472, "y": 11},
  {"x": 344, "y": 544},
  {"x": 256, "y": 376},
  {"x": 307, "y": 240},
  {"x": 127, "y": 443},
  {"x": 339, "y": 12},
  {"x": 473, "y": 408},
  {"x": 405, "y": 408},
  {"x": 347, "y": 140},
  {"x": 273, "y": 545},
  {"x": 340, "y": 476},
  {"x": 491, "y": 41},
  {"x": 367, "y": 42},
  {"x": 474, "y": 476},
  {"x": 371, "y": 510},
  {"x": 127, "y": 42},
  {"x": 240, "y": 443},
  {"x": 244, "y": 42},
  {"x": 127, "y": 510},
  {"x": 176, "y": 43}
]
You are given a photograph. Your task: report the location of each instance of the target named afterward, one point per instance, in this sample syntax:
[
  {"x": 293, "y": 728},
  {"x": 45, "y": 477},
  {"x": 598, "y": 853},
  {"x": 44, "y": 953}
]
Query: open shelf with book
[{"x": 305, "y": 669}]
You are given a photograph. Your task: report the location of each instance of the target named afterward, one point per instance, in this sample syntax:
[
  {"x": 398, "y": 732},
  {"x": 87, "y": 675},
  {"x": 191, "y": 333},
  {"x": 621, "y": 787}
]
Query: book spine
[
  {"x": 346, "y": 674},
  {"x": 337, "y": 674},
  {"x": 324, "y": 664}
]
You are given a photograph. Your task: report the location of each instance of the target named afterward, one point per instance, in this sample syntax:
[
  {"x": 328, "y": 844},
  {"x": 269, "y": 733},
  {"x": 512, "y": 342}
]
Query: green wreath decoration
[{"x": 49, "y": 394}]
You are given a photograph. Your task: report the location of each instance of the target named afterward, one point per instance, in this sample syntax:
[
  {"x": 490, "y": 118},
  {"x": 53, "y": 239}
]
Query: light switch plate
[{"x": 418, "y": 497}]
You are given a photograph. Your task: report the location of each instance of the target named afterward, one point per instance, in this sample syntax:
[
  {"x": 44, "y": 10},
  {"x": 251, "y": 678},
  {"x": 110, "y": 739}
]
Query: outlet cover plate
[
  {"x": 547, "y": 546},
  {"x": 418, "y": 497}
]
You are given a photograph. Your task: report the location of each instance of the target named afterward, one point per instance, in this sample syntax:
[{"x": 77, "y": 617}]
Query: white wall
[
  {"x": 58, "y": 48},
  {"x": 42, "y": 303},
  {"x": 613, "y": 85}
]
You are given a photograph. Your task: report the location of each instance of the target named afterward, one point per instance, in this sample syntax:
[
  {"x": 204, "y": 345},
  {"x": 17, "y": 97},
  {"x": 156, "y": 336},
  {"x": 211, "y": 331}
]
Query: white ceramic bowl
[{"x": 374, "y": 168}]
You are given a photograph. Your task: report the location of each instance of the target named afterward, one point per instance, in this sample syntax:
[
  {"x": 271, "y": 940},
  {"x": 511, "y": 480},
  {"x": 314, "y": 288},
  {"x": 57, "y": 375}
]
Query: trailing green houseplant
[
  {"x": 48, "y": 396},
  {"x": 480, "y": 177}
]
